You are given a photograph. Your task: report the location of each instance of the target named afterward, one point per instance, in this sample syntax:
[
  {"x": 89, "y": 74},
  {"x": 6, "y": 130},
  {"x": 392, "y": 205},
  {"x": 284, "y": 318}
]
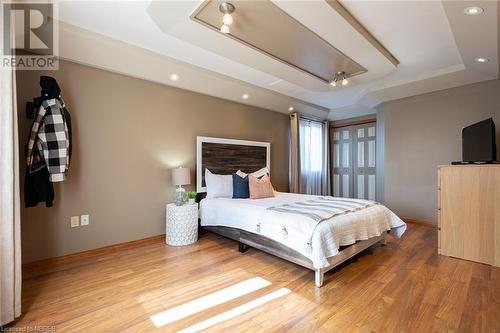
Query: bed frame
[
  {"x": 225, "y": 156},
  {"x": 247, "y": 239}
]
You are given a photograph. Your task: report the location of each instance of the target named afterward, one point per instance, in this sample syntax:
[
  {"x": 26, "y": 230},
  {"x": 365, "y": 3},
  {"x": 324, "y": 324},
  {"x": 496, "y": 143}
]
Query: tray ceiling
[
  {"x": 434, "y": 41},
  {"x": 265, "y": 27}
]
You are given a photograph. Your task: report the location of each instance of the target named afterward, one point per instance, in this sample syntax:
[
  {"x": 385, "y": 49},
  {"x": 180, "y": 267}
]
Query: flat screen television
[{"x": 479, "y": 142}]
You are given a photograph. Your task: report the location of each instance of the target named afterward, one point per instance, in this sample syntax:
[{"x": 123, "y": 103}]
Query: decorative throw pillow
[
  {"x": 260, "y": 188},
  {"x": 218, "y": 186},
  {"x": 240, "y": 187},
  {"x": 259, "y": 173}
]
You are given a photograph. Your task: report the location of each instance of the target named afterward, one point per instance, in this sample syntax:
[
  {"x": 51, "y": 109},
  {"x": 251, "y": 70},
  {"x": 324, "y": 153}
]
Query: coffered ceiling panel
[
  {"x": 318, "y": 16},
  {"x": 265, "y": 27}
]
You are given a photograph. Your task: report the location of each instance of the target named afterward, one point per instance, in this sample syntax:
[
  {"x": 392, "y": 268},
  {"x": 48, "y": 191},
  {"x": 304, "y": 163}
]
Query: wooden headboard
[{"x": 226, "y": 156}]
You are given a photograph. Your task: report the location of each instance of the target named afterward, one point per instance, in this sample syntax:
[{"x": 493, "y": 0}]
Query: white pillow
[
  {"x": 257, "y": 174},
  {"x": 218, "y": 186}
]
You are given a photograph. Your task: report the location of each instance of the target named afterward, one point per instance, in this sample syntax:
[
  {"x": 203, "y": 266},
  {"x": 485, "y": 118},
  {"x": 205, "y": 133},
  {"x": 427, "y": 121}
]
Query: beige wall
[
  {"x": 127, "y": 134},
  {"x": 422, "y": 132}
]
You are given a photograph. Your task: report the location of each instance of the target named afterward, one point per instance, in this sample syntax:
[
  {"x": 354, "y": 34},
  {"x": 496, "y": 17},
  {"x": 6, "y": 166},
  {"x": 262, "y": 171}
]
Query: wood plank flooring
[{"x": 402, "y": 287}]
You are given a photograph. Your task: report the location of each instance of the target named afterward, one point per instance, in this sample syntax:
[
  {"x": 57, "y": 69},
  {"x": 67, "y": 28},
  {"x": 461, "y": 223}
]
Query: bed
[{"x": 279, "y": 225}]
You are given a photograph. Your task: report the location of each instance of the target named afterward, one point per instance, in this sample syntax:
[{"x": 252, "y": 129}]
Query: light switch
[
  {"x": 75, "y": 221},
  {"x": 85, "y": 219}
]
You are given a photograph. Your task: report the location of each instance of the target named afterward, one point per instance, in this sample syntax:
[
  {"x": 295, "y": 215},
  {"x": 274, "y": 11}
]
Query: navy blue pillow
[{"x": 240, "y": 187}]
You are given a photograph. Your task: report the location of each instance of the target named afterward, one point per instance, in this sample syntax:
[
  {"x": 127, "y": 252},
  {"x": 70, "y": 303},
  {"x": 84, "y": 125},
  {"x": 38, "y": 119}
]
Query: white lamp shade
[{"x": 181, "y": 176}]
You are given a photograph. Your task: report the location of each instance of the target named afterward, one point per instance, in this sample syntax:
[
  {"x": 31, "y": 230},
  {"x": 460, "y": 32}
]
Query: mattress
[{"x": 316, "y": 241}]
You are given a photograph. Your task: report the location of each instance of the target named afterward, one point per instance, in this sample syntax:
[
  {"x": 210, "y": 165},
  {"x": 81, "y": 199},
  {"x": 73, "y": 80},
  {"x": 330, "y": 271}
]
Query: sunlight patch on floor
[
  {"x": 208, "y": 301},
  {"x": 236, "y": 311}
]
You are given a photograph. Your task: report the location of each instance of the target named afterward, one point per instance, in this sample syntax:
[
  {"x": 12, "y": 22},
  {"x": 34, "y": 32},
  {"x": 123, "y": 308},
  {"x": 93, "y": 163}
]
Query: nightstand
[{"x": 181, "y": 224}]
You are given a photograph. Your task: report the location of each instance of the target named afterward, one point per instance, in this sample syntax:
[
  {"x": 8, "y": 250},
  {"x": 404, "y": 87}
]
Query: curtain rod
[{"x": 317, "y": 120}]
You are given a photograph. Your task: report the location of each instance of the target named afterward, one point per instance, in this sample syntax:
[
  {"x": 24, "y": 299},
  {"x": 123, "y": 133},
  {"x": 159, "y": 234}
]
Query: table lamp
[{"x": 181, "y": 176}]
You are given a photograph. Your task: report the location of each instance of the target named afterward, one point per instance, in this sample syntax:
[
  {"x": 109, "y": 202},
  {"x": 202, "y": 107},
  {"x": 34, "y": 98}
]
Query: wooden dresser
[{"x": 469, "y": 212}]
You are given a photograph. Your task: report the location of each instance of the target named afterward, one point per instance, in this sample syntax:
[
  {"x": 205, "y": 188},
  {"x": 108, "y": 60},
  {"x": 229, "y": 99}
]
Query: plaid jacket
[{"x": 49, "y": 140}]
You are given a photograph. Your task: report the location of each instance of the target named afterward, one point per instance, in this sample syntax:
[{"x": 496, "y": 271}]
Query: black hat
[{"x": 50, "y": 88}]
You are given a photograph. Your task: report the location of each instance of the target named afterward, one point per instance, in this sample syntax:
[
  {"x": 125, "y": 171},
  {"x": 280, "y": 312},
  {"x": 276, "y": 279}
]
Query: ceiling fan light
[
  {"x": 345, "y": 82},
  {"x": 333, "y": 83},
  {"x": 224, "y": 29},
  {"x": 227, "y": 19}
]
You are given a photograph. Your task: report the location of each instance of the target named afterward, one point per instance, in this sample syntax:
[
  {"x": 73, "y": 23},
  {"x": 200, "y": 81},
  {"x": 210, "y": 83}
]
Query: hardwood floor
[{"x": 402, "y": 287}]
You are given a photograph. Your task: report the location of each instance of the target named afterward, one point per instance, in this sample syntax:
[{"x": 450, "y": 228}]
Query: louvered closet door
[
  {"x": 353, "y": 161},
  {"x": 364, "y": 161},
  {"x": 342, "y": 162}
]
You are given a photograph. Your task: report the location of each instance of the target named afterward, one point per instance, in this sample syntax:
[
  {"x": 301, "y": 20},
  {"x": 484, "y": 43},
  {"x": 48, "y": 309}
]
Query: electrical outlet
[
  {"x": 75, "y": 221},
  {"x": 85, "y": 219}
]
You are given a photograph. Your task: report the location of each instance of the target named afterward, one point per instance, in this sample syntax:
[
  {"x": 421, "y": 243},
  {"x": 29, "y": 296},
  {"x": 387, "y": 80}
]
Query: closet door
[
  {"x": 342, "y": 162},
  {"x": 364, "y": 161},
  {"x": 353, "y": 161}
]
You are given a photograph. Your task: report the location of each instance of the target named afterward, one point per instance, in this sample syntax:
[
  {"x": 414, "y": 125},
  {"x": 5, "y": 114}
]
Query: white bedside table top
[{"x": 186, "y": 206}]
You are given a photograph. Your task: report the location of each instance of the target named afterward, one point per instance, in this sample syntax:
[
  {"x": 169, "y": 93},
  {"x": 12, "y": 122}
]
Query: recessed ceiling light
[
  {"x": 174, "y": 77},
  {"x": 290, "y": 108},
  {"x": 481, "y": 60},
  {"x": 245, "y": 96},
  {"x": 473, "y": 10}
]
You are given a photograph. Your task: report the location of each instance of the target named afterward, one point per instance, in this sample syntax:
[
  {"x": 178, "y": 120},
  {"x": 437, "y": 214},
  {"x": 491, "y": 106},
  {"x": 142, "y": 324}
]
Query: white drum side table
[{"x": 181, "y": 224}]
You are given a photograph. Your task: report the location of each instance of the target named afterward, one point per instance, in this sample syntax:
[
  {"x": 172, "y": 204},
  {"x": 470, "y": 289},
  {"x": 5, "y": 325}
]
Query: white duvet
[{"x": 295, "y": 230}]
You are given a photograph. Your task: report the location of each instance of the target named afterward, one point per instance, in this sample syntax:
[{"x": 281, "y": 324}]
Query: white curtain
[
  {"x": 314, "y": 157},
  {"x": 10, "y": 229},
  {"x": 294, "y": 165}
]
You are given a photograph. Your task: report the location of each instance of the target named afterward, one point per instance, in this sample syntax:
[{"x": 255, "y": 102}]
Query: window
[
  {"x": 311, "y": 146},
  {"x": 313, "y": 166}
]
